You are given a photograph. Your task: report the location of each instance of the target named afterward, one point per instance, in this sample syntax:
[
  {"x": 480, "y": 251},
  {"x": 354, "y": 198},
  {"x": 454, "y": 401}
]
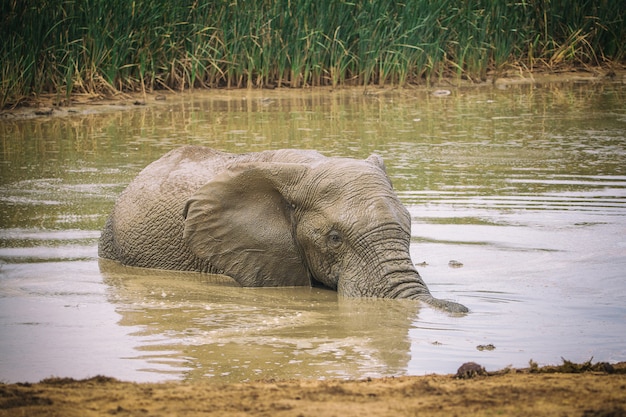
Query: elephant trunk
[
  {"x": 409, "y": 284},
  {"x": 404, "y": 283},
  {"x": 396, "y": 278}
]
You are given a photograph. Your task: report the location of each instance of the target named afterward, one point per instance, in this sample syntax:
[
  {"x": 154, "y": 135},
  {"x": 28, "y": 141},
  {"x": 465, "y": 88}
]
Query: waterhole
[{"x": 518, "y": 205}]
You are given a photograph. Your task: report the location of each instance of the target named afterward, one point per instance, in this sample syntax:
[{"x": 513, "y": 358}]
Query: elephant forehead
[
  {"x": 385, "y": 209},
  {"x": 361, "y": 213},
  {"x": 350, "y": 181}
]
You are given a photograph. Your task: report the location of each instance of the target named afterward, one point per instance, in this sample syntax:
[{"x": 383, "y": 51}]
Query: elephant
[{"x": 273, "y": 218}]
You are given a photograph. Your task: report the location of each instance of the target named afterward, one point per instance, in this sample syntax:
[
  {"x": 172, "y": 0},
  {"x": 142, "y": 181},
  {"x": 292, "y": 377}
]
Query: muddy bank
[
  {"x": 83, "y": 104},
  {"x": 589, "y": 391}
]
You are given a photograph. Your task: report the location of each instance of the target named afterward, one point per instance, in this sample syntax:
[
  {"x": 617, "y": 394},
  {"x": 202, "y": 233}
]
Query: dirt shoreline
[
  {"x": 599, "y": 391},
  {"x": 50, "y": 105}
]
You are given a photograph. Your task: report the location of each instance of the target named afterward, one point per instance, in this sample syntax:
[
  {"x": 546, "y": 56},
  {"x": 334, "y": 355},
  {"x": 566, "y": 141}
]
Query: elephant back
[{"x": 145, "y": 226}]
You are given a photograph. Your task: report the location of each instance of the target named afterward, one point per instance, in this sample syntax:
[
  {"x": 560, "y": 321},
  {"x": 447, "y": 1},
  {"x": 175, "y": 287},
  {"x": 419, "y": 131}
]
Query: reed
[{"x": 100, "y": 46}]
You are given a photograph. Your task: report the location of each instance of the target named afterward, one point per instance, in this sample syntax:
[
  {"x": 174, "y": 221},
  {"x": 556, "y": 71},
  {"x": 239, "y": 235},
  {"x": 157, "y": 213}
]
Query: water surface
[{"x": 524, "y": 186}]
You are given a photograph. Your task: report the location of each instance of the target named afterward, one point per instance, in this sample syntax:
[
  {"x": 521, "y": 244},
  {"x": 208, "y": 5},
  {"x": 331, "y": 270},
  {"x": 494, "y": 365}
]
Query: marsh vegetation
[{"x": 102, "y": 47}]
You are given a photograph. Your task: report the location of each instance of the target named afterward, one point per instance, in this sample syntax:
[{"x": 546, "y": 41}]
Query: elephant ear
[
  {"x": 377, "y": 161},
  {"x": 242, "y": 224}
]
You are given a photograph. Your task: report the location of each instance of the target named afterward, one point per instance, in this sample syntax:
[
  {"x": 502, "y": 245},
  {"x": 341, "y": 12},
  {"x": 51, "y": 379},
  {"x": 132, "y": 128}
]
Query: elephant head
[{"x": 335, "y": 221}]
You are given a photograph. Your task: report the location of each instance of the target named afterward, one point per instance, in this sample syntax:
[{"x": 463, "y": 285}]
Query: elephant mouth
[
  {"x": 329, "y": 281},
  {"x": 319, "y": 284}
]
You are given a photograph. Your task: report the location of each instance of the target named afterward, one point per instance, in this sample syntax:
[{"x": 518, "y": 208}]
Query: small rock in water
[
  {"x": 485, "y": 347},
  {"x": 455, "y": 264}
]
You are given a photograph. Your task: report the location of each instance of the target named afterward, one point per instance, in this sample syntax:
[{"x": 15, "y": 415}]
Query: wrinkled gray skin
[{"x": 274, "y": 218}]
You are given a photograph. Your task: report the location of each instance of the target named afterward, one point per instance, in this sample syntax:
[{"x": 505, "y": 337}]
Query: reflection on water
[
  {"x": 223, "y": 330},
  {"x": 526, "y": 187}
]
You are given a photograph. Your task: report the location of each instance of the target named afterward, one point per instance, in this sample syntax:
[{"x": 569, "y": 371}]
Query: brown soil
[{"x": 589, "y": 391}]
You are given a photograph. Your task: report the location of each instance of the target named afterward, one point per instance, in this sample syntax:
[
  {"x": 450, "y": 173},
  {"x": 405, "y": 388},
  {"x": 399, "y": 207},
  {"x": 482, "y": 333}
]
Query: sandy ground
[{"x": 600, "y": 391}]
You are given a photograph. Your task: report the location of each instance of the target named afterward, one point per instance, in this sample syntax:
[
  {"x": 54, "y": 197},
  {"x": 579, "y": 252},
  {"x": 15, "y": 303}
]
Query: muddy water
[{"x": 524, "y": 187}]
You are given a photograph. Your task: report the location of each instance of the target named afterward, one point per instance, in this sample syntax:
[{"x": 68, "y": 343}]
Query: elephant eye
[{"x": 334, "y": 239}]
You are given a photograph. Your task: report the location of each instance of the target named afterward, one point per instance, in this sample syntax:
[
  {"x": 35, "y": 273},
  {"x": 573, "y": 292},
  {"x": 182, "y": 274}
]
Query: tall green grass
[{"x": 67, "y": 47}]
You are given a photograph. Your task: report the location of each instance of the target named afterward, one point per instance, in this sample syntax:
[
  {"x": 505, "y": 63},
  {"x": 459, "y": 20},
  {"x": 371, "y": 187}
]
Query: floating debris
[{"x": 441, "y": 93}]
